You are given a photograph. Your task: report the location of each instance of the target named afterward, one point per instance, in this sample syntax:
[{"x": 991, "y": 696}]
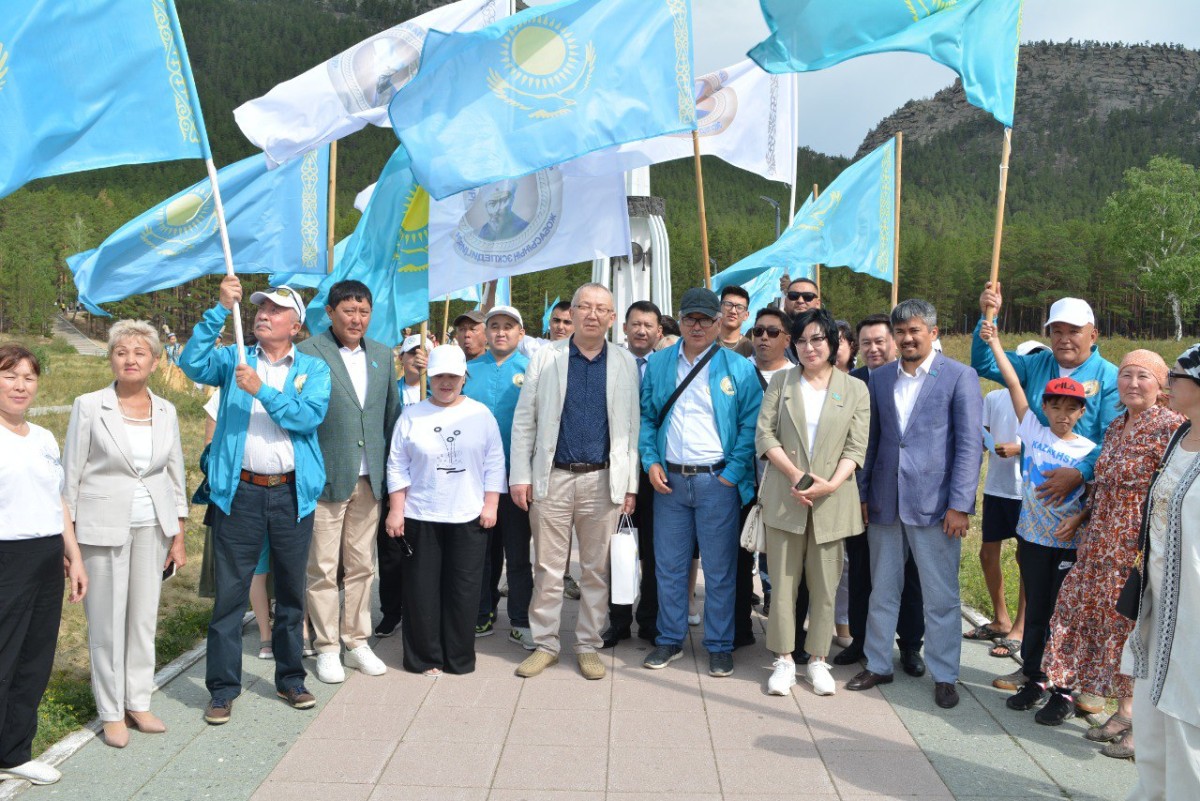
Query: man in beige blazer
[{"x": 575, "y": 463}]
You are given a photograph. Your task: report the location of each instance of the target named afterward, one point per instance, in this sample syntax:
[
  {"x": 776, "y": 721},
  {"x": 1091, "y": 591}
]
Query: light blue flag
[
  {"x": 311, "y": 280},
  {"x": 853, "y": 224},
  {"x": 978, "y": 39},
  {"x": 276, "y": 221},
  {"x": 389, "y": 253},
  {"x": 546, "y": 314},
  {"x": 471, "y": 294},
  {"x": 503, "y": 291},
  {"x": 93, "y": 83},
  {"x": 545, "y": 86}
]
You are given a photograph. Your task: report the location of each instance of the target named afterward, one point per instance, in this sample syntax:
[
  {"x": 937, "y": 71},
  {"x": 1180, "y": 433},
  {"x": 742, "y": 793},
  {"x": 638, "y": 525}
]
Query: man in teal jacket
[
  {"x": 700, "y": 460},
  {"x": 265, "y": 473},
  {"x": 1074, "y": 354}
]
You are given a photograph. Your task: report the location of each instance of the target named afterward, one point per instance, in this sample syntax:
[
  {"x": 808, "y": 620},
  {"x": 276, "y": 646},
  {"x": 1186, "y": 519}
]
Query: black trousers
[
  {"x": 910, "y": 626},
  {"x": 508, "y": 550},
  {"x": 1042, "y": 572},
  {"x": 743, "y": 589},
  {"x": 391, "y": 569},
  {"x": 31, "y": 593},
  {"x": 621, "y": 616},
  {"x": 441, "y": 594}
]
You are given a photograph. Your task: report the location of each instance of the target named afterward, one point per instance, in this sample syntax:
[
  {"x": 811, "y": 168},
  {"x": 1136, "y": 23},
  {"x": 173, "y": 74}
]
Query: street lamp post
[{"x": 774, "y": 203}]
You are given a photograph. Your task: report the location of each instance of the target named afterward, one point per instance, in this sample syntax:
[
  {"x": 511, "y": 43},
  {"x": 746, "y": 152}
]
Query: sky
[{"x": 878, "y": 85}]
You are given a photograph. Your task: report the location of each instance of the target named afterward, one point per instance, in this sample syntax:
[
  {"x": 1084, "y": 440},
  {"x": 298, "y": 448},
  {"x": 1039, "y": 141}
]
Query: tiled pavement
[{"x": 638, "y": 734}]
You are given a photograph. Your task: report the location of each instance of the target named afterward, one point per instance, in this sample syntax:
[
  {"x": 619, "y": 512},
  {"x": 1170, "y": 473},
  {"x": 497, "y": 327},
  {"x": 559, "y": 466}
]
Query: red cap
[{"x": 1065, "y": 388}]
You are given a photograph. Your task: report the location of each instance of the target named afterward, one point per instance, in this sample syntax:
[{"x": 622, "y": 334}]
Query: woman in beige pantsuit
[
  {"x": 124, "y": 489},
  {"x": 813, "y": 429}
]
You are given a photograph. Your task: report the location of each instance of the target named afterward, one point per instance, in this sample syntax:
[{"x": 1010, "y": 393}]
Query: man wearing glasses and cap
[
  {"x": 265, "y": 474},
  {"x": 699, "y": 410},
  {"x": 1073, "y": 354}
]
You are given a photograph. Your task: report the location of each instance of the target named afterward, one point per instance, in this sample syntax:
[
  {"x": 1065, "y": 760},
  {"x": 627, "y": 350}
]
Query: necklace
[{"x": 128, "y": 419}]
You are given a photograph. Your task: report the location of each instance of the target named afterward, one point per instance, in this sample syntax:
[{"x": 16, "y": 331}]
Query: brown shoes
[
  {"x": 116, "y": 735},
  {"x": 298, "y": 697},
  {"x": 536, "y": 662},
  {"x": 145, "y": 722},
  {"x": 866, "y": 680},
  {"x": 217, "y": 712},
  {"x": 945, "y": 695},
  {"x": 591, "y": 666}
]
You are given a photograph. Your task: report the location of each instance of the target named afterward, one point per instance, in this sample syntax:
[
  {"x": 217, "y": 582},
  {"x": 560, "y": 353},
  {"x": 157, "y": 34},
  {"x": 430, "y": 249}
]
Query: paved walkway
[
  {"x": 84, "y": 346},
  {"x": 638, "y": 734}
]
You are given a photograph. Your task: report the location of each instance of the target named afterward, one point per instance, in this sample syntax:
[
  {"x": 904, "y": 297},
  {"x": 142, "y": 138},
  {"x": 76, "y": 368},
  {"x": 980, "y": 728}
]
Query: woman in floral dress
[{"x": 1087, "y": 634}]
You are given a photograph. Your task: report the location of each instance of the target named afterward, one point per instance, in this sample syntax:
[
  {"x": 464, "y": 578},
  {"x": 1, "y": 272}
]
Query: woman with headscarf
[
  {"x": 1163, "y": 652},
  {"x": 1087, "y": 634}
]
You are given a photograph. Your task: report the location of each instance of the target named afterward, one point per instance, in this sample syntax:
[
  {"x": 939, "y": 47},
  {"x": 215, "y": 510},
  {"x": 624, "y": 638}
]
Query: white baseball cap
[
  {"x": 282, "y": 295},
  {"x": 1071, "y": 311},
  {"x": 1031, "y": 346},
  {"x": 412, "y": 342},
  {"x": 505, "y": 310},
  {"x": 447, "y": 360}
]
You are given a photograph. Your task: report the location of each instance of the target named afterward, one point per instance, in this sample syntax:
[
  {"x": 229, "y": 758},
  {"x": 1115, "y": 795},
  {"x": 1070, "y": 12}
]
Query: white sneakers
[
  {"x": 32, "y": 772},
  {"x": 364, "y": 660},
  {"x": 783, "y": 678},
  {"x": 329, "y": 668},
  {"x": 822, "y": 681}
]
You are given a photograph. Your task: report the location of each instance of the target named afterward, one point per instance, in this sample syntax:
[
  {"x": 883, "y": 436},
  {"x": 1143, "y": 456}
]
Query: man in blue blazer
[
  {"x": 919, "y": 481},
  {"x": 700, "y": 460},
  {"x": 265, "y": 473}
]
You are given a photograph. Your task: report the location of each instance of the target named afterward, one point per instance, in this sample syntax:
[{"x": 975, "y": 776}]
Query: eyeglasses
[
  {"x": 586, "y": 308},
  {"x": 731, "y": 306},
  {"x": 770, "y": 333},
  {"x": 813, "y": 343},
  {"x": 807, "y": 297},
  {"x": 1172, "y": 376},
  {"x": 698, "y": 322}
]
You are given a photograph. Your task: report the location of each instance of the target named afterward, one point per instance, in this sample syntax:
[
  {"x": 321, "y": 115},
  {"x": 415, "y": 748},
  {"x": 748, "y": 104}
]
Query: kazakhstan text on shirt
[{"x": 1041, "y": 446}]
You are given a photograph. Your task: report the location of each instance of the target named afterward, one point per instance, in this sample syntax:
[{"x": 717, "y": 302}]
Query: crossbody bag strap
[{"x": 662, "y": 414}]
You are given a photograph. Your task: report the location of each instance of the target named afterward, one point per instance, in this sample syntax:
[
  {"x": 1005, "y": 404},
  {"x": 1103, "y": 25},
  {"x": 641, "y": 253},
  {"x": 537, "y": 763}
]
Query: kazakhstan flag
[
  {"x": 92, "y": 83},
  {"x": 852, "y": 224},
  {"x": 545, "y": 86},
  {"x": 389, "y": 252},
  {"x": 978, "y": 39},
  {"x": 276, "y": 223}
]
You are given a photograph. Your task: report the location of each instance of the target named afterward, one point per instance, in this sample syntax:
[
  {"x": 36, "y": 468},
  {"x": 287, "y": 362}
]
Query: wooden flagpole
[
  {"x": 331, "y": 218},
  {"x": 998, "y": 233},
  {"x": 424, "y": 338},
  {"x": 795, "y": 145},
  {"x": 896, "y": 222},
  {"x": 703, "y": 218},
  {"x": 446, "y": 321},
  {"x": 817, "y": 267}
]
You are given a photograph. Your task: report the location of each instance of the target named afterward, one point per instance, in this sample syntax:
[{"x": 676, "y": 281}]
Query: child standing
[{"x": 1044, "y": 558}]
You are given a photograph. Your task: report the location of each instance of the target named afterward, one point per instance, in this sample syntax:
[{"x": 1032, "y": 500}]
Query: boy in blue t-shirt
[{"x": 1044, "y": 557}]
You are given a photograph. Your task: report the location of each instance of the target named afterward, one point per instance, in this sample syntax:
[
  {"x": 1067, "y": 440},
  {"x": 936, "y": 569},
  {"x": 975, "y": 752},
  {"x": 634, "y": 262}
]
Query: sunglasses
[
  {"x": 281, "y": 291},
  {"x": 771, "y": 333},
  {"x": 405, "y": 546},
  {"x": 807, "y": 297}
]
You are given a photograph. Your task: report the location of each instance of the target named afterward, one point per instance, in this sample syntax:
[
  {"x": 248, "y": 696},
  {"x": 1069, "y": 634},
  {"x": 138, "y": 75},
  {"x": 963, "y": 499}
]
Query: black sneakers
[
  {"x": 1059, "y": 708},
  {"x": 1027, "y": 697},
  {"x": 662, "y": 656}
]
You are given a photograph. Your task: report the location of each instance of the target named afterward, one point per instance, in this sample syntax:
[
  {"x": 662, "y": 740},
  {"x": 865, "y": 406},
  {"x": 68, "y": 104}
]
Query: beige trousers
[
  {"x": 1168, "y": 752},
  {"x": 343, "y": 532},
  {"x": 790, "y": 556},
  {"x": 580, "y": 500},
  {"x": 124, "y": 585}
]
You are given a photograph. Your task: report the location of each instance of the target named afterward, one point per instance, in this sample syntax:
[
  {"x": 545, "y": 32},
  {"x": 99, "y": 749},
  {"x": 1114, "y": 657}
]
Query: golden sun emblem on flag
[
  {"x": 181, "y": 224},
  {"x": 413, "y": 237},
  {"x": 3, "y": 65},
  {"x": 543, "y": 68},
  {"x": 815, "y": 219}
]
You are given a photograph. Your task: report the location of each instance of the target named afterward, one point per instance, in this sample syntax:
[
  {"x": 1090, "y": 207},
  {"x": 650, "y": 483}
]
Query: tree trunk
[{"x": 1177, "y": 313}]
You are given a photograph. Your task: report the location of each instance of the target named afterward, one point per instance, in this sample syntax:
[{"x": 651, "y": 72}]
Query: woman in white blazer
[{"x": 125, "y": 491}]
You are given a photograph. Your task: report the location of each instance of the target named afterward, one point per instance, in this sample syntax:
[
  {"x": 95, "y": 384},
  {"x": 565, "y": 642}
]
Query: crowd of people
[{"x": 476, "y": 468}]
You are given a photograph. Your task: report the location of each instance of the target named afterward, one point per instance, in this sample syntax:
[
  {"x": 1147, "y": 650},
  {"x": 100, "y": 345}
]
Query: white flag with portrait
[
  {"x": 524, "y": 225},
  {"x": 744, "y": 116},
  {"x": 352, "y": 89}
]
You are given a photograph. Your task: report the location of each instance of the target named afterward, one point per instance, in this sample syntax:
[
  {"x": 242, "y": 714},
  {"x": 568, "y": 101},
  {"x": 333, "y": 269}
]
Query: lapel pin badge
[{"x": 375, "y": 364}]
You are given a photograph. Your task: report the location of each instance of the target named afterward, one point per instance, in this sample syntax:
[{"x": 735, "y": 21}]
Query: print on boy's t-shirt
[{"x": 1043, "y": 452}]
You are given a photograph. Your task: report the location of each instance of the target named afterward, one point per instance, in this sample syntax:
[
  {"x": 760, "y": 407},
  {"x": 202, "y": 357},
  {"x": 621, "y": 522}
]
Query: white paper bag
[{"x": 625, "y": 570}]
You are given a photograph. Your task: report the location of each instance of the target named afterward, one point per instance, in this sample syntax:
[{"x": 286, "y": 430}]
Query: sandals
[
  {"x": 984, "y": 632},
  {"x": 265, "y": 651},
  {"x": 1112, "y": 729},
  {"x": 432, "y": 673},
  {"x": 1005, "y": 648},
  {"x": 1120, "y": 748}
]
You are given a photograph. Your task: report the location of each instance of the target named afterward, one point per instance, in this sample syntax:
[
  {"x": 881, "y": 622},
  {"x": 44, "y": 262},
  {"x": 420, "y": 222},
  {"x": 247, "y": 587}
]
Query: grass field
[{"x": 183, "y": 616}]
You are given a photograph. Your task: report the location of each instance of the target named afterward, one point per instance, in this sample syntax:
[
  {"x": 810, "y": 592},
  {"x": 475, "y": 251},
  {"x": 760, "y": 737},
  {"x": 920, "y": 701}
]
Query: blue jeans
[
  {"x": 257, "y": 514},
  {"x": 700, "y": 510},
  {"x": 937, "y": 558}
]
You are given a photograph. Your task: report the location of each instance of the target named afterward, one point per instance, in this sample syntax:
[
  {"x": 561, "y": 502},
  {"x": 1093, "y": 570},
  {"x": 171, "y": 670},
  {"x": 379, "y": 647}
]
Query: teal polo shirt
[{"x": 498, "y": 386}]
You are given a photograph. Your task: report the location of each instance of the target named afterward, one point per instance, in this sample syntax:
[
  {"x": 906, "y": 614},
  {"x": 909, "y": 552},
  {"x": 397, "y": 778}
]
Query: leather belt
[
  {"x": 696, "y": 469},
  {"x": 263, "y": 480},
  {"x": 581, "y": 467}
]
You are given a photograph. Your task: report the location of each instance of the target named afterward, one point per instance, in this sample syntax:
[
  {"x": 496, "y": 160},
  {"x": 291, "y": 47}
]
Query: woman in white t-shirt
[
  {"x": 36, "y": 543},
  {"x": 125, "y": 491},
  {"x": 445, "y": 474},
  {"x": 812, "y": 429}
]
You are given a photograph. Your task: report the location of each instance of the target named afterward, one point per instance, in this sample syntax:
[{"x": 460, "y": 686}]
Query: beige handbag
[{"x": 754, "y": 536}]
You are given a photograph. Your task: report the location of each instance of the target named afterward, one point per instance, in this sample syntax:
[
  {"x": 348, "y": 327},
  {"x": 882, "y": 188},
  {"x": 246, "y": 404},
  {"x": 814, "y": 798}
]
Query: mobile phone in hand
[
  {"x": 804, "y": 483},
  {"x": 169, "y": 572}
]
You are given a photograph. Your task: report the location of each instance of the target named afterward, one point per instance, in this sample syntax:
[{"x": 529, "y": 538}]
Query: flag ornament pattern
[
  {"x": 3, "y": 65},
  {"x": 180, "y": 84},
  {"x": 545, "y": 86},
  {"x": 978, "y": 39}
]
